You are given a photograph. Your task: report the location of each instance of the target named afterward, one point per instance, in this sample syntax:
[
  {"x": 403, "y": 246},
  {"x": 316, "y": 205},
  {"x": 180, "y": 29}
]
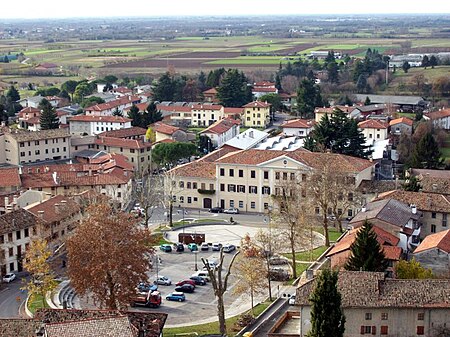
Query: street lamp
[{"x": 195, "y": 259}]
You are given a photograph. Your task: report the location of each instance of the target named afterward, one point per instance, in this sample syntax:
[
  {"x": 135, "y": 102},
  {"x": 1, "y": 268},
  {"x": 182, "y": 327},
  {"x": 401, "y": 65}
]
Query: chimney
[
  {"x": 309, "y": 274},
  {"x": 20, "y": 169},
  {"x": 41, "y": 214},
  {"x": 57, "y": 208},
  {"x": 413, "y": 209}
]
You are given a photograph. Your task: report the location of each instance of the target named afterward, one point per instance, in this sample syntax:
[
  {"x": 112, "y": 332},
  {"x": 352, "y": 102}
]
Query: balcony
[{"x": 208, "y": 192}]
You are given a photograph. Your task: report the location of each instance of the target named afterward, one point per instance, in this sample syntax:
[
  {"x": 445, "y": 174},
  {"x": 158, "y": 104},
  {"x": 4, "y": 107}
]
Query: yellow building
[{"x": 256, "y": 114}]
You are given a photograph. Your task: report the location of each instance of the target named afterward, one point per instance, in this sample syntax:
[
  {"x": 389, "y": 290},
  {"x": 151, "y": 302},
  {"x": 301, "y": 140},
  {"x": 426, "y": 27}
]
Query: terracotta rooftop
[
  {"x": 330, "y": 110},
  {"x": 221, "y": 126},
  {"x": 199, "y": 169},
  {"x": 299, "y": 123},
  {"x": 55, "y": 209},
  {"x": 28, "y": 110},
  {"x": 9, "y": 176},
  {"x": 134, "y": 131},
  {"x": 431, "y": 202},
  {"x": 121, "y": 142},
  {"x": 257, "y": 104},
  {"x": 114, "y": 104},
  {"x": 140, "y": 106},
  {"x": 434, "y": 181},
  {"x": 214, "y": 107},
  {"x": 403, "y": 120},
  {"x": 264, "y": 89},
  {"x": 107, "y": 119},
  {"x": 372, "y": 124},
  {"x": 24, "y": 136},
  {"x": 216, "y": 154},
  {"x": 439, "y": 240},
  {"x": 16, "y": 327},
  {"x": 439, "y": 114},
  {"x": 174, "y": 108},
  {"x": 371, "y": 290},
  {"x": 232, "y": 111},
  {"x": 17, "y": 220},
  {"x": 392, "y": 253},
  {"x": 212, "y": 91},
  {"x": 164, "y": 128}
]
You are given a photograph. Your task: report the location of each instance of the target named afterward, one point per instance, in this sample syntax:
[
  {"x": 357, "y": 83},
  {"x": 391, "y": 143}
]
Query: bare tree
[
  {"x": 170, "y": 188},
  {"x": 220, "y": 286},
  {"x": 108, "y": 255},
  {"x": 148, "y": 193}
]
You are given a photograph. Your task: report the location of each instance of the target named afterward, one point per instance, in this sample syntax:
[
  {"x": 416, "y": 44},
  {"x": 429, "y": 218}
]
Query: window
[
  {"x": 303, "y": 177},
  {"x": 252, "y": 174},
  {"x": 231, "y": 203},
  {"x": 22, "y": 145},
  {"x": 195, "y": 199},
  {"x": 433, "y": 228},
  {"x": 241, "y": 173},
  {"x": 266, "y": 175},
  {"x": 420, "y": 316},
  {"x": 231, "y": 172},
  {"x": 366, "y": 329},
  {"x": 285, "y": 175},
  {"x": 420, "y": 330},
  {"x": 188, "y": 185},
  {"x": 194, "y": 186},
  {"x": 211, "y": 187},
  {"x": 181, "y": 184},
  {"x": 368, "y": 316},
  {"x": 252, "y": 205},
  {"x": 252, "y": 189},
  {"x": 241, "y": 188},
  {"x": 119, "y": 194},
  {"x": 203, "y": 186},
  {"x": 292, "y": 176},
  {"x": 241, "y": 204},
  {"x": 10, "y": 237},
  {"x": 222, "y": 187},
  {"x": 231, "y": 188},
  {"x": 444, "y": 219},
  {"x": 303, "y": 192},
  {"x": 22, "y": 154},
  {"x": 222, "y": 172},
  {"x": 18, "y": 236},
  {"x": 2, "y": 239},
  {"x": 350, "y": 212},
  {"x": 350, "y": 197},
  {"x": 317, "y": 210},
  {"x": 189, "y": 200},
  {"x": 11, "y": 251},
  {"x": 37, "y": 152},
  {"x": 277, "y": 175},
  {"x": 384, "y": 330},
  {"x": 266, "y": 190},
  {"x": 384, "y": 316},
  {"x": 181, "y": 199},
  {"x": 433, "y": 215}
]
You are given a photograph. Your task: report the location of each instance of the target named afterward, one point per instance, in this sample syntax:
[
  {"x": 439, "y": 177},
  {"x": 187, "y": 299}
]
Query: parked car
[
  {"x": 277, "y": 260},
  {"x": 203, "y": 274},
  {"x": 165, "y": 281},
  {"x": 179, "y": 247},
  {"x": 216, "y": 210},
  {"x": 144, "y": 287},
  {"x": 150, "y": 300},
  {"x": 176, "y": 296},
  {"x": 231, "y": 210},
  {"x": 204, "y": 246},
  {"x": 198, "y": 280},
  {"x": 229, "y": 248},
  {"x": 216, "y": 246},
  {"x": 279, "y": 274},
  {"x": 292, "y": 300},
  {"x": 193, "y": 247},
  {"x": 191, "y": 282},
  {"x": 9, "y": 277},
  {"x": 166, "y": 248},
  {"x": 185, "y": 288}
]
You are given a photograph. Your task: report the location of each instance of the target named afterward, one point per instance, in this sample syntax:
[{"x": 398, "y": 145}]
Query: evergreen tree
[
  {"x": 308, "y": 97},
  {"x": 135, "y": 116},
  {"x": 366, "y": 253},
  {"x": 327, "y": 317},
  {"x": 154, "y": 115},
  {"x": 233, "y": 91},
  {"x": 12, "y": 94},
  {"x": 425, "y": 61},
  {"x": 406, "y": 66},
  {"x": 117, "y": 112},
  {"x": 165, "y": 89},
  {"x": 201, "y": 82},
  {"x": 214, "y": 77},
  {"x": 278, "y": 82},
  {"x": 426, "y": 154},
  {"x": 49, "y": 118},
  {"x": 367, "y": 101},
  {"x": 433, "y": 61}
]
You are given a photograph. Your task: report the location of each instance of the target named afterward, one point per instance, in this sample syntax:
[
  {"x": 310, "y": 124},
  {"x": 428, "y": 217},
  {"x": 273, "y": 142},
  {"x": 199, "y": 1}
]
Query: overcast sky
[{"x": 97, "y": 8}]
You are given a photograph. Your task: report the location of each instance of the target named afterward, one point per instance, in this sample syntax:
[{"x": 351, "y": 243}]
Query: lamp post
[{"x": 195, "y": 259}]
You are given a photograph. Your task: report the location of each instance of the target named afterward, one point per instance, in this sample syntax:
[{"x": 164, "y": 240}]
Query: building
[
  {"x": 9, "y": 179},
  {"x": 435, "y": 208},
  {"x": 319, "y": 112},
  {"x": 364, "y": 111},
  {"x": 394, "y": 217},
  {"x": 404, "y": 103},
  {"x": 23, "y": 147},
  {"x": 256, "y": 114},
  {"x": 263, "y": 88},
  {"x": 434, "y": 253},
  {"x": 108, "y": 109},
  {"x": 206, "y": 114},
  {"x": 210, "y": 95},
  {"x": 16, "y": 229},
  {"x": 375, "y": 305},
  {"x": 26, "y": 114},
  {"x": 373, "y": 129},
  {"x": 401, "y": 126},
  {"x": 249, "y": 179},
  {"x": 134, "y": 132},
  {"x": 248, "y": 139},
  {"x": 179, "y": 115},
  {"x": 164, "y": 131},
  {"x": 440, "y": 119},
  {"x": 433, "y": 181},
  {"x": 298, "y": 127},
  {"x": 222, "y": 131},
  {"x": 93, "y": 125}
]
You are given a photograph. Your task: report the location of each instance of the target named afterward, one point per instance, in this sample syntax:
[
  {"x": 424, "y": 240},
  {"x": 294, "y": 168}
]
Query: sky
[{"x": 115, "y": 8}]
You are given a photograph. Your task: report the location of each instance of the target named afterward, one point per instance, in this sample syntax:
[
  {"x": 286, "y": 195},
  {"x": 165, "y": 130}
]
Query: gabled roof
[
  {"x": 264, "y": 89},
  {"x": 212, "y": 91},
  {"x": 403, "y": 120},
  {"x": 125, "y": 100},
  {"x": 23, "y": 136},
  {"x": 121, "y": 142},
  {"x": 257, "y": 104},
  {"x": 431, "y": 202},
  {"x": 55, "y": 209},
  {"x": 439, "y": 114},
  {"x": 440, "y": 240},
  {"x": 134, "y": 131},
  {"x": 370, "y": 107},
  {"x": 29, "y": 110},
  {"x": 17, "y": 220},
  {"x": 233, "y": 111},
  {"x": 330, "y": 110},
  {"x": 221, "y": 126},
  {"x": 372, "y": 124},
  {"x": 299, "y": 123},
  {"x": 199, "y": 169},
  {"x": 206, "y": 107},
  {"x": 386, "y": 99},
  {"x": 164, "y": 128},
  {"x": 98, "y": 119},
  {"x": 9, "y": 176}
]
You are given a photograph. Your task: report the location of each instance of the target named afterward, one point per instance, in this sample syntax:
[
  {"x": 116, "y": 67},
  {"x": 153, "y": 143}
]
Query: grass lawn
[
  {"x": 36, "y": 303},
  {"x": 159, "y": 239},
  {"x": 446, "y": 153},
  {"x": 212, "y": 328}
]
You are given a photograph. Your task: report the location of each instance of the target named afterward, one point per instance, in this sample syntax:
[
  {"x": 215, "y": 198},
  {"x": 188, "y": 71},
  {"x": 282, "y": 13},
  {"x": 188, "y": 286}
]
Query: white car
[
  {"x": 292, "y": 300},
  {"x": 9, "y": 277},
  {"x": 231, "y": 211}
]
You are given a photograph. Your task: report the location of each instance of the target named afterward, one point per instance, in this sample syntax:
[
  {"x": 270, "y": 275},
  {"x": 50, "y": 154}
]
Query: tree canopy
[
  {"x": 153, "y": 115},
  {"x": 308, "y": 97},
  {"x": 234, "y": 91},
  {"x": 426, "y": 153},
  {"x": 49, "y": 118},
  {"x": 366, "y": 253},
  {"x": 135, "y": 116},
  {"x": 170, "y": 153},
  {"x": 412, "y": 270}
]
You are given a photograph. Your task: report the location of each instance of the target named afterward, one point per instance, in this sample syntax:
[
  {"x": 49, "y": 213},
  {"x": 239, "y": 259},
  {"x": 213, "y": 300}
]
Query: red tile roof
[
  {"x": 257, "y": 104},
  {"x": 264, "y": 89},
  {"x": 114, "y": 104},
  {"x": 299, "y": 123},
  {"x": 403, "y": 120},
  {"x": 233, "y": 111},
  {"x": 121, "y": 142},
  {"x": 29, "y": 110},
  {"x": 55, "y": 209},
  {"x": 206, "y": 107},
  {"x": 440, "y": 240},
  {"x": 221, "y": 126},
  {"x": 431, "y": 202},
  {"x": 173, "y": 108},
  {"x": 439, "y": 114},
  {"x": 212, "y": 91},
  {"x": 392, "y": 253},
  {"x": 141, "y": 106},
  {"x": 372, "y": 124},
  {"x": 108, "y": 119},
  {"x": 164, "y": 128},
  {"x": 9, "y": 177},
  {"x": 199, "y": 169},
  {"x": 134, "y": 131}
]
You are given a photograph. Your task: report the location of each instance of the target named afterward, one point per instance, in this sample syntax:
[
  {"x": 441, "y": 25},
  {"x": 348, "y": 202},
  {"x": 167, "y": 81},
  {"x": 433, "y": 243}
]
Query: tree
[
  {"x": 117, "y": 112},
  {"x": 333, "y": 72},
  {"x": 150, "y": 135},
  {"x": 154, "y": 115},
  {"x": 327, "y": 317},
  {"x": 170, "y": 153},
  {"x": 233, "y": 91},
  {"x": 250, "y": 273},
  {"x": 308, "y": 97},
  {"x": 412, "y": 184},
  {"x": 366, "y": 253},
  {"x": 367, "y": 101},
  {"x": 215, "y": 77},
  {"x": 90, "y": 101},
  {"x": 108, "y": 255},
  {"x": 433, "y": 61},
  {"x": 82, "y": 90},
  {"x": 406, "y": 66},
  {"x": 36, "y": 263},
  {"x": 425, "y": 61},
  {"x": 205, "y": 144},
  {"x": 190, "y": 91},
  {"x": 164, "y": 90},
  {"x": 48, "y": 118},
  {"x": 274, "y": 100},
  {"x": 110, "y": 79},
  {"x": 148, "y": 193},
  {"x": 426, "y": 153},
  {"x": 135, "y": 116},
  {"x": 220, "y": 286},
  {"x": 70, "y": 87},
  {"x": 12, "y": 94},
  {"x": 412, "y": 270}
]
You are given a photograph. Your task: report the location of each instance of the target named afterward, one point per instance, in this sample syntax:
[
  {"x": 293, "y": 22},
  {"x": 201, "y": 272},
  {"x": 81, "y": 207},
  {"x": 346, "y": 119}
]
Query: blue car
[
  {"x": 176, "y": 296},
  {"x": 166, "y": 248}
]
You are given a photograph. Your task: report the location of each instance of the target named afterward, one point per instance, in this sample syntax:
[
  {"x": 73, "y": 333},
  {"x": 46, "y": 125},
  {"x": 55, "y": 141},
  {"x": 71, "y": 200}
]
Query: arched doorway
[{"x": 207, "y": 203}]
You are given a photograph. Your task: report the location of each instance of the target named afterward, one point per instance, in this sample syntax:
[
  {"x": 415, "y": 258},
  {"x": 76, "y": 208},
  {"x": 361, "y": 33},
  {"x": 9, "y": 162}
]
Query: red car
[{"x": 185, "y": 282}]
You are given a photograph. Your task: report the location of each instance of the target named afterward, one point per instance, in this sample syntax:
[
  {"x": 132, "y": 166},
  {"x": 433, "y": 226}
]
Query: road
[{"x": 11, "y": 299}]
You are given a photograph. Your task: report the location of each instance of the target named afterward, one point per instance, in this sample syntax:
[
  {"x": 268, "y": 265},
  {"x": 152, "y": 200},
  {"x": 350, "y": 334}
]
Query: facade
[
  {"x": 210, "y": 95},
  {"x": 256, "y": 114},
  {"x": 373, "y": 129},
  {"x": 179, "y": 115},
  {"x": 164, "y": 131},
  {"x": 401, "y": 126},
  {"x": 440, "y": 119},
  {"x": 206, "y": 114},
  {"x": 298, "y": 127},
  {"x": 375, "y": 305},
  {"x": 134, "y": 132},
  {"x": 9, "y": 179},
  {"x": 434, "y": 253},
  {"x": 263, "y": 88},
  {"x": 319, "y": 112},
  {"x": 222, "y": 131},
  {"x": 107, "y": 109},
  {"x": 23, "y": 147},
  {"x": 93, "y": 125},
  {"x": 249, "y": 179}
]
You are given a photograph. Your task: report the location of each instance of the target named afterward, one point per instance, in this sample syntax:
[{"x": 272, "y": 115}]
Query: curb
[{"x": 27, "y": 311}]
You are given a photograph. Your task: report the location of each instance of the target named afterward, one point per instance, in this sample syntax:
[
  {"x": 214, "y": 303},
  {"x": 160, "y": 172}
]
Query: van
[{"x": 203, "y": 274}]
